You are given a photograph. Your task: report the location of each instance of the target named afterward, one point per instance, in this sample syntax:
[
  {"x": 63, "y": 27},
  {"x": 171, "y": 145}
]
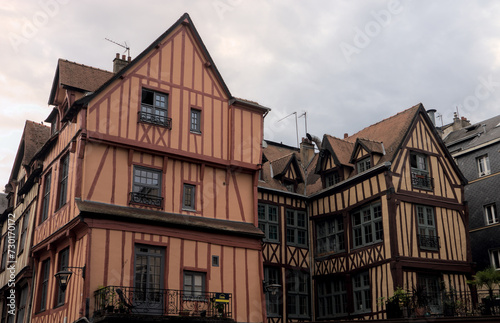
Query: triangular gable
[
  {"x": 371, "y": 147},
  {"x": 287, "y": 165},
  {"x": 340, "y": 150}
]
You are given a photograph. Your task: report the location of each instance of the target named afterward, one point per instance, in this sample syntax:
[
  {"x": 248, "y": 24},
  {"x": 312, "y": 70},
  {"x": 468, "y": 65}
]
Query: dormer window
[
  {"x": 363, "y": 164},
  {"x": 332, "y": 178},
  {"x": 53, "y": 126},
  {"x": 290, "y": 186},
  {"x": 154, "y": 108}
]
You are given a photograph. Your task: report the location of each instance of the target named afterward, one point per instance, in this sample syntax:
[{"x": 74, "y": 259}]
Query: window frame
[
  {"x": 491, "y": 213},
  {"x": 153, "y": 112},
  {"x": 273, "y": 302},
  {"x": 44, "y": 285},
  {"x": 420, "y": 171},
  {"x": 5, "y": 252},
  {"x": 332, "y": 298},
  {"x": 332, "y": 178},
  {"x": 24, "y": 231},
  {"x": 367, "y": 227},
  {"x": 298, "y": 290},
  {"x": 495, "y": 258},
  {"x": 337, "y": 234},
  {"x": 266, "y": 223},
  {"x": 192, "y": 198},
  {"x": 46, "y": 197},
  {"x": 364, "y": 164},
  {"x": 361, "y": 293},
  {"x": 195, "y": 123},
  {"x": 297, "y": 229},
  {"x": 63, "y": 259},
  {"x": 141, "y": 192},
  {"x": 483, "y": 161},
  {"x": 23, "y": 302},
  {"x": 190, "y": 292},
  {"x": 428, "y": 238},
  {"x": 63, "y": 181}
]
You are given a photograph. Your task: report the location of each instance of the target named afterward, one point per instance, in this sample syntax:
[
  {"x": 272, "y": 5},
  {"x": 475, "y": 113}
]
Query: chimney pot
[
  {"x": 346, "y": 135},
  {"x": 118, "y": 55},
  {"x": 129, "y": 58},
  {"x": 123, "y": 57}
]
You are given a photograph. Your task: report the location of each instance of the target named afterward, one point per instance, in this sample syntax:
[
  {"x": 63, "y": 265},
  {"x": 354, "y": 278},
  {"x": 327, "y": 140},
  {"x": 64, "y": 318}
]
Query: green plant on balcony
[
  {"x": 397, "y": 303},
  {"x": 420, "y": 300},
  {"x": 489, "y": 278}
]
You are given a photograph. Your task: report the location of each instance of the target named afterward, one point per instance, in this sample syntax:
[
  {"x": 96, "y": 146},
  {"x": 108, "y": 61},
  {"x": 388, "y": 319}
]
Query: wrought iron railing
[
  {"x": 421, "y": 179},
  {"x": 147, "y": 200},
  {"x": 428, "y": 242},
  {"x": 155, "y": 119},
  {"x": 112, "y": 300}
]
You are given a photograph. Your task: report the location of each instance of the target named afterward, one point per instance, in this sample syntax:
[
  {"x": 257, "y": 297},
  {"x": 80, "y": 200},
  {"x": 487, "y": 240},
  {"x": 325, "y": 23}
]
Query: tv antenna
[
  {"x": 127, "y": 49},
  {"x": 296, "y": 130},
  {"x": 304, "y": 114}
]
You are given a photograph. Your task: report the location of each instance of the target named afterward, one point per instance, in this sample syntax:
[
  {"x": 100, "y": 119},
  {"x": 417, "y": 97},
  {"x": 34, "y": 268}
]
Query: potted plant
[
  {"x": 397, "y": 303},
  {"x": 420, "y": 300},
  {"x": 488, "y": 278}
]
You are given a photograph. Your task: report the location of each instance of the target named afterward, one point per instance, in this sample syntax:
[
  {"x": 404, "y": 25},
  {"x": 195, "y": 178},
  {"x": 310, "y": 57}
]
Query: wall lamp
[
  {"x": 273, "y": 289},
  {"x": 64, "y": 275}
]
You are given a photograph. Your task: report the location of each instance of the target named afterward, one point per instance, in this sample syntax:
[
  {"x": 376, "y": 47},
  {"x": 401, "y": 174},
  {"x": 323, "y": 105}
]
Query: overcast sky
[{"x": 348, "y": 64}]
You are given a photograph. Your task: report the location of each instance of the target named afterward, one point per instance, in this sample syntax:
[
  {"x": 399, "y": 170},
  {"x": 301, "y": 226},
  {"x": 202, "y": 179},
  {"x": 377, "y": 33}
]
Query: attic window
[
  {"x": 290, "y": 186},
  {"x": 53, "y": 126},
  {"x": 473, "y": 127},
  {"x": 363, "y": 164},
  {"x": 332, "y": 178}
]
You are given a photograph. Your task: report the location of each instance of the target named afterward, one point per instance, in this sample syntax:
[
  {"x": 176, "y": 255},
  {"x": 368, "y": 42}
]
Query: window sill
[
  {"x": 189, "y": 210},
  {"x": 195, "y": 132}
]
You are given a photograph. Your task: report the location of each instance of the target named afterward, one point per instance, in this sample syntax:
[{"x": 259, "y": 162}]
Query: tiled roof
[
  {"x": 342, "y": 149},
  {"x": 372, "y": 146},
  {"x": 474, "y": 135},
  {"x": 80, "y": 76},
  {"x": 390, "y": 131},
  {"x": 279, "y": 165},
  {"x": 35, "y": 135}
]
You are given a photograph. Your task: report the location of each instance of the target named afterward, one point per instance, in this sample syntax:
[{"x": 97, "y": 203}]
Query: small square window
[
  {"x": 215, "y": 261},
  {"x": 364, "y": 164},
  {"x": 188, "y": 197},
  {"x": 196, "y": 120}
]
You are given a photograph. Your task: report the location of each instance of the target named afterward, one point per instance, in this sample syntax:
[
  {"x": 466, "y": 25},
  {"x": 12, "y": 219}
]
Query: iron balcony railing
[
  {"x": 421, "y": 179},
  {"x": 155, "y": 119},
  {"x": 112, "y": 300},
  {"x": 147, "y": 200},
  {"x": 428, "y": 242}
]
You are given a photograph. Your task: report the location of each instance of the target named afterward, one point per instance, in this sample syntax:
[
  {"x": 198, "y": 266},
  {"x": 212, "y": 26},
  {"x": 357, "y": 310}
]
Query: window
[
  {"x": 483, "y": 165},
  {"x": 215, "y": 261},
  {"x": 53, "y": 125},
  {"x": 419, "y": 171},
  {"x": 5, "y": 253},
  {"x": 24, "y": 231},
  {"x": 63, "y": 180},
  {"x": 363, "y": 164},
  {"x": 195, "y": 120},
  {"x": 272, "y": 276},
  {"x": 154, "y": 108},
  {"x": 188, "y": 197},
  {"x": 367, "y": 227},
  {"x": 427, "y": 236},
  {"x": 332, "y": 179},
  {"x": 22, "y": 304},
  {"x": 46, "y": 196},
  {"x": 330, "y": 236},
  {"x": 149, "y": 273},
  {"x": 44, "y": 284},
  {"x": 430, "y": 284},
  {"x": 361, "y": 293},
  {"x": 490, "y": 213},
  {"x": 290, "y": 186},
  {"x": 63, "y": 264},
  {"x": 146, "y": 189},
  {"x": 298, "y": 294},
  {"x": 268, "y": 221},
  {"x": 332, "y": 298},
  {"x": 495, "y": 258},
  {"x": 194, "y": 284},
  {"x": 296, "y": 228}
]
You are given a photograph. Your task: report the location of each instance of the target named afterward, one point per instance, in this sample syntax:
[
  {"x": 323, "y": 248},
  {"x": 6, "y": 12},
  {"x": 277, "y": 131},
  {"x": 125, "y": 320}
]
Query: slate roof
[
  {"x": 78, "y": 76},
  {"x": 474, "y": 135},
  {"x": 34, "y": 137}
]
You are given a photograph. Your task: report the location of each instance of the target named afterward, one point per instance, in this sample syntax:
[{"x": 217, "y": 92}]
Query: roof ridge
[
  {"x": 282, "y": 157},
  {"x": 83, "y": 65},
  {"x": 366, "y": 139},
  {"x": 386, "y": 119}
]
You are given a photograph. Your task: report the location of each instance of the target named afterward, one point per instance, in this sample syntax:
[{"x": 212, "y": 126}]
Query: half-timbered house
[
  {"x": 16, "y": 265},
  {"x": 148, "y": 194}
]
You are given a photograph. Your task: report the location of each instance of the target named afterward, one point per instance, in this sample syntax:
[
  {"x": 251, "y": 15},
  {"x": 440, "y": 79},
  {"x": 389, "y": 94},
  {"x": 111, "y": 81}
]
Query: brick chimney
[
  {"x": 306, "y": 151},
  {"x": 120, "y": 63}
]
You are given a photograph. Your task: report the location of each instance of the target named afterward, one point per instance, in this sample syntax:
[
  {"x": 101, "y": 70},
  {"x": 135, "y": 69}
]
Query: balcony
[
  {"x": 155, "y": 119},
  {"x": 428, "y": 242},
  {"x": 129, "y": 304},
  {"x": 421, "y": 179},
  {"x": 146, "y": 200}
]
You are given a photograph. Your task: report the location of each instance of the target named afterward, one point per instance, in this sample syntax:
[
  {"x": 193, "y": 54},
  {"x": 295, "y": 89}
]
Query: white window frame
[
  {"x": 483, "y": 165},
  {"x": 495, "y": 258},
  {"x": 366, "y": 226},
  {"x": 490, "y": 214}
]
